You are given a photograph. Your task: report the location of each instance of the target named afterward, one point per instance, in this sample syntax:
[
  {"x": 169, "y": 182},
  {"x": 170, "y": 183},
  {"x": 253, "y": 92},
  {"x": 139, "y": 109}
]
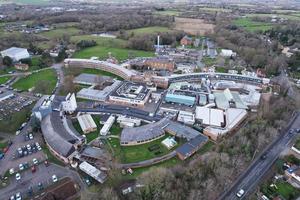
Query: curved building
[
  {"x": 60, "y": 136},
  {"x": 101, "y": 65}
]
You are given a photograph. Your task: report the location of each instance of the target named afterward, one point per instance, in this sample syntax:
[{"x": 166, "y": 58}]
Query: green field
[
  {"x": 168, "y": 12},
  {"x": 215, "y": 9},
  {"x": 119, "y": 53},
  {"x": 130, "y": 154},
  {"x": 149, "y": 30},
  {"x": 4, "y": 79},
  {"x": 251, "y": 25},
  {"x": 60, "y": 32},
  {"x": 101, "y": 41},
  {"x": 293, "y": 16},
  {"x": 32, "y": 80}
]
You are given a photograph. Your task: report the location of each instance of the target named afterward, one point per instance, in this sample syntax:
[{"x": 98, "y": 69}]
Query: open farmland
[
  {"x": 250, "y": 25},
  {"x": 168, "y": 12},
  {"x": 148, "y": 30},
  {"x": 60, "y": 32},
  {"x": 101, "y": 41},
  {"x": 119, "y": 53},
  {"x": 291, "y": 16},
  {"x": 193, "y": 26}
]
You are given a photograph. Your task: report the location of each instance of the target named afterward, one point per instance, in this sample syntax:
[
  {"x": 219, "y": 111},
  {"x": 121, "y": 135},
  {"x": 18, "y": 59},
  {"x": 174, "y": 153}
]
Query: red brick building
[{"x": 186, "y": 41}]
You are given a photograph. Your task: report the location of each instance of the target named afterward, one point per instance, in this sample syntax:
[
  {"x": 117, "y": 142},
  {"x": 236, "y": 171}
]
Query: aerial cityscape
[{"x": 149, "y": 100}]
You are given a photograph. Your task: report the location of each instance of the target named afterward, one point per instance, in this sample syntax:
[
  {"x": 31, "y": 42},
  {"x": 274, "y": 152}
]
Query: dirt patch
[{"x": 193, "y": 26}]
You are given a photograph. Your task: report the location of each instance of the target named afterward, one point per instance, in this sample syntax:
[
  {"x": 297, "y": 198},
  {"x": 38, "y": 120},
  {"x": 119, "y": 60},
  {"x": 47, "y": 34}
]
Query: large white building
[
  {"x": 70, "y": 104},
  {"x": 210, "y": 116},
  {"x": 87, "y": 123},
  {"x": 15, "y": 53}
]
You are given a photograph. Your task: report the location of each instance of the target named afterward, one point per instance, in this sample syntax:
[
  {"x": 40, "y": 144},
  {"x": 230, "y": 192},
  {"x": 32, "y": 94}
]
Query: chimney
[{"x": 158, "y": 37}]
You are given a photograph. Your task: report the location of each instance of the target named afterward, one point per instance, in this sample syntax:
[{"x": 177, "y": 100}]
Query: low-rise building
[
  {"x": 98, "y": 95},
  {"x": 70, "y": 104},
  {"x": 180, "y": 99},
  {"x": 186, "y": 117},
  {"x": 92, "y": 171},
  {"x": 191, "y": 147},
  {"x": 169, "y": 142},
  {"x": 15, "y": 53},
  {"x": 130, "y": 94},
  {"x": 186, "y": 41},
  {"x": 87, "y": 123},
  {"x": 227, "y": 53},
  {"x": 6, "y": 95},
  {"x": 128, "y": 121},
  {"x": 21, "y": 66},
  {"x": 210, "y": 116},
  {"x": 160, "y": 64},
  {"x": 107, "y": 125}
]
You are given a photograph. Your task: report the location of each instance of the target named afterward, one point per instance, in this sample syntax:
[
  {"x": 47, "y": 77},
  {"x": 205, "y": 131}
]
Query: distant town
[{"x": 131, "y": 100}]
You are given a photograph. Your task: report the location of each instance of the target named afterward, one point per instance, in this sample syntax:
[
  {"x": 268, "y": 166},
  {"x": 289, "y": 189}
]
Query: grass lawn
[
  {"x": 30, "y": 81},
  {"x": 119, "y": 53},
  {"x": 4, "y": 79},
  {"x": 101, "y": 41},
  {"x": 148, "y": 30},
  {"x": 51, "y": 157},
  {"x": 252, "y": 26},
  {"x": 287, "y": 190},
  {"x": 77, "y": 71},
  {"x": 221, "y": 69},
  {"x": 14, "y": 121},
  {"x": 3, "y": 144},
  {"x": 130, "y": 154},
  {"x": 59, "y": 32}
]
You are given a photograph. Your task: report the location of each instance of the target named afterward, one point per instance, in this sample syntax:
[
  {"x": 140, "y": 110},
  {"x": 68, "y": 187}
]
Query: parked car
[
  {"x": 40, "y": 186},
  {"x": 18, "y": 176},
  {"x": 87, "y": 181},
  {"x": 30, "y": 136},
  {"x": 21, "y": 167},
  {"x": 30, "y": 191},
  {"x": 54, "y": 178},
  {"x": 11, "y": 171},
  {"x": 18, "y": 196},
  {"x": 28, "y": 147},
  {"x": 35, "y": 161}
]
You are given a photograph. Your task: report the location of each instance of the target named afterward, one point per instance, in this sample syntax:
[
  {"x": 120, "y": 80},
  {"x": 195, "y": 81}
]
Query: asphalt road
[
  {"x": 116, "y": 109},
  {"x": 252, "y": 176}
]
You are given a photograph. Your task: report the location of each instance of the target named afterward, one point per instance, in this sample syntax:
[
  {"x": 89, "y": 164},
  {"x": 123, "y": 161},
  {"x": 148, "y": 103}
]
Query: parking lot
[
  {"x": 31, "y": 183},
  {"x": 14, "y": 104}
]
